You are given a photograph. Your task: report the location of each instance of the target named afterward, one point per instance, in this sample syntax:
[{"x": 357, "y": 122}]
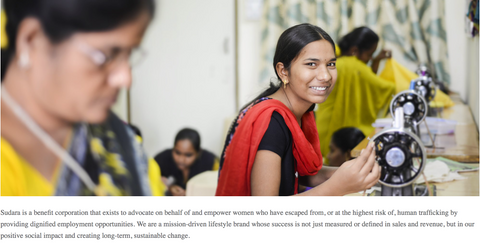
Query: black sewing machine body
[{"x": 399, "y": 150}]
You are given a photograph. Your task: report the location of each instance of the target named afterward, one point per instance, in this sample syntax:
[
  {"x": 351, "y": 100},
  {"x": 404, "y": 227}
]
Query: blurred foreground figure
[{"x": 65, "y": 63}]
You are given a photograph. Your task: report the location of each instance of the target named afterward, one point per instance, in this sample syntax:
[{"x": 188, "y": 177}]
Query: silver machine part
[
  {"x": 408, "y": 108},
  {"x": 395, "y": 157},
  {"x": 422, "y": 90},
  {"x": 407, "y": 94}
]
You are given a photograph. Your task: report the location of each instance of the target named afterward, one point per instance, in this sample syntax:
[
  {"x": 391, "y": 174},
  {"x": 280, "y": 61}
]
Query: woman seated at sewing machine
[
  {"x": 272, "y": 146},
  {"x": 184, "y": 161}
]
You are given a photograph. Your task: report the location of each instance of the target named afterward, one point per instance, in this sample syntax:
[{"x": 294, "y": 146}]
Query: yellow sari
[{"x": 401, "y": 76}]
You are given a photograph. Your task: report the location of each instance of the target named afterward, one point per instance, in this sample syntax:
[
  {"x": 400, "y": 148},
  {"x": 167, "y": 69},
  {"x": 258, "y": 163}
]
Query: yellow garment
[
  {"x": 338, "y": 52},
  {"x": 154, "y": 174},
  {"x": 4, "y": 31},
  {"x": 402, "y": 77},
  {"x": 19, "y": 178},
  {"x": 356, "y": 100},
  {"x": 216, "y": 164}
]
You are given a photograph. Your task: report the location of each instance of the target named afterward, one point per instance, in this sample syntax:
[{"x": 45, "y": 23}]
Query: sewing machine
[
  {"x": 425, "y": 85},
  {"x": 414, "y": 107},
  {"x": 399, "y": 151}
]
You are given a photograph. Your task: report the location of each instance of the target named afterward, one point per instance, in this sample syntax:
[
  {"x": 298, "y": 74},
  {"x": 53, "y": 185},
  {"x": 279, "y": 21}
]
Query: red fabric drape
[{"x": 234, "y": 177}]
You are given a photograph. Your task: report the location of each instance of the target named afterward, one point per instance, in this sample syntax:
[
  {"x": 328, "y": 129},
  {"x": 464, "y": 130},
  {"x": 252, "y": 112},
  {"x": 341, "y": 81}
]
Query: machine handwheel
[
  {"x": 400, "y": 155},
  {"x": 414, "y": 106},
  {"x": 426, "y": 87}
]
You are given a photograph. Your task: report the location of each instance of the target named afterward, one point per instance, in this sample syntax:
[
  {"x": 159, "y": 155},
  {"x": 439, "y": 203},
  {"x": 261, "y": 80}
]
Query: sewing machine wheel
[
  {"x": 401, "y": 156},
  {"x": 426, "y": 87},
  {"x": 414, "y": 106}
]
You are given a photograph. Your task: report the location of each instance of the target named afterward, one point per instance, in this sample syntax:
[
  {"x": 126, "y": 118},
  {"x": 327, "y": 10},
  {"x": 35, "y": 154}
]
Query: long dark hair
[
  {"x": 347, "y": 138},
  {"x": 62, "y": 18},
  {"x": 289, "y": 45},
  {"x": 361, "y": 37}
]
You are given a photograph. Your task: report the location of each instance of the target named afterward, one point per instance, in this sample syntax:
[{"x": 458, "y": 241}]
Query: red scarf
[{"x": 234, "y": 177}]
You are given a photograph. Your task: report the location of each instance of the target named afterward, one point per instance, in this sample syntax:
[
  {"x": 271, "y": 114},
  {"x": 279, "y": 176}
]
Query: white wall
[
  {"x": 457, "y": 45},
  {"x": 463, "y": 55},
  {"x": 472, "y": 76},
  {"x": 248, "y": 56},
  {"x": 121, "y": 106},
  {"x": 188, "y": 77}
]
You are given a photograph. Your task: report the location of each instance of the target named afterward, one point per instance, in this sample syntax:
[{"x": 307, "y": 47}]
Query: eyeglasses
[{"x": 134, "y": 56}]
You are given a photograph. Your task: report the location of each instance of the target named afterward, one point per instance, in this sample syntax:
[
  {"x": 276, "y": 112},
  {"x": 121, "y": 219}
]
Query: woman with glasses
[{"x": 64, "y": 66}]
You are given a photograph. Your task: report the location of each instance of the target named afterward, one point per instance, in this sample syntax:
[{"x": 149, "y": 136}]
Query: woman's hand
[
  {"x": 376, "y": 61},
  {"x": 358, "y": 174},
  {"x": 383, "y": 54},
  {"x": 176, "y": 190}
]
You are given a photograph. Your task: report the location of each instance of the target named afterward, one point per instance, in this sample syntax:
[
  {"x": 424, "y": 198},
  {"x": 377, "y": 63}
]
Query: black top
[
  {"x": 203, "y": 163},
  {"x": 278, "y": 139}
]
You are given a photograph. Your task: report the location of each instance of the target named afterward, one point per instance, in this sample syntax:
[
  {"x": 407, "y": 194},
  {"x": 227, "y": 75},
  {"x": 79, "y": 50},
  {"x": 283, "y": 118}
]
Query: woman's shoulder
[
  {"x": 351, "y": 62},
  {"x": 208, "y": 153},
  {"x": 278, "y": 136},
  {"x": 206, "y": 161},
  {"x": 163, "y": 155},
  {"x": 18, "y": 178},
  {"x": 277, "y": 121}
]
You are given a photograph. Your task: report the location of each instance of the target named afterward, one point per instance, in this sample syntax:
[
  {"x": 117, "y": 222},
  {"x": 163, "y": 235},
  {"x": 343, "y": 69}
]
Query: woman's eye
[
  {"x": 331, "y": 64},
  {"x": 112, "y": 55},
  {"x": 311, "y": 64}
]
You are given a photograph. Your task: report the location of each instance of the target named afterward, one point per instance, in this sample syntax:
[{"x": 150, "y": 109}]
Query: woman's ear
[
  {"x": 28, "y": 30},
  {"x": 282, "y": 71},
  {"x": 30, "y": 39}
]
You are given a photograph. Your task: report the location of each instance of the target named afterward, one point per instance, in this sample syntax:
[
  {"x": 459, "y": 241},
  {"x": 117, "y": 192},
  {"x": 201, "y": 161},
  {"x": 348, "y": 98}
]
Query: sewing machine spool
[
  {"x": 401, "y": 156},
  {"x": 414, "y": 106}
]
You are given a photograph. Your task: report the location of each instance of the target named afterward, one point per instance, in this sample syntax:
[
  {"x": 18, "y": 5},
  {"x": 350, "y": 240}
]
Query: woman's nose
[
  {"x": 323, "y": 75},
  {"x": 121, "y": 77}
]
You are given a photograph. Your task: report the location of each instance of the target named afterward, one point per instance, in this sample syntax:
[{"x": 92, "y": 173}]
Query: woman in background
[
  {"x": 343, "y": 141},
  {"x": 273, "y": 145},
  {"x": 362, "y": 42},
  {"x": 360, "y": 96},
  {"x": 184, "y": 161},
  {"x": 65, "y": 63}
]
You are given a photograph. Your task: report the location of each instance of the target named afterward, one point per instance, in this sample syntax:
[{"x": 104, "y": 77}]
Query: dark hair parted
[
  {"x": 347, "y": 138},
  {"x": 191, "y": 135},
  {"x": 289, "y": 45},
  {"x": 361, "y": 37},
  {"x": 62, "y": 18}
]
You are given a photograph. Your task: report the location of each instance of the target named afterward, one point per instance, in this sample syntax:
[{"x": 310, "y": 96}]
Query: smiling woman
[
  {"x": 62, "y": 71},
  {"x": 273, "y": 144}
]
